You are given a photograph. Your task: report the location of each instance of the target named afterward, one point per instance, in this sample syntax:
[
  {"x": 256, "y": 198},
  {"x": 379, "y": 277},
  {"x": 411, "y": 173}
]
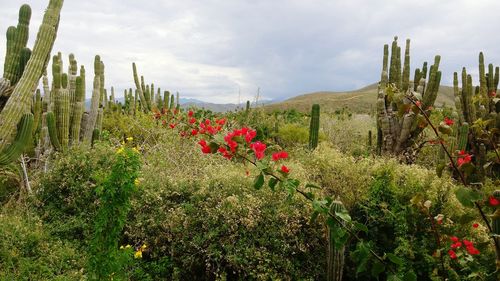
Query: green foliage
[
  {"x": 290, "y": 135},
  {"x": 106, "y": 261}
]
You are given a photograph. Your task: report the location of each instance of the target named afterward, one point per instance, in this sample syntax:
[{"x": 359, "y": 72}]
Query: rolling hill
[{"x": 359, "y": 101}]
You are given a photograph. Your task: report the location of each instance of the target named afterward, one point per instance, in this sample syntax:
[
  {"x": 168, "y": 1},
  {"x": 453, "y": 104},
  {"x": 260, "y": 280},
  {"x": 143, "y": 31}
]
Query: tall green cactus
[
  {"x": 399, "y": 123},
  {"x": 19, "y": 102},
  {"x": 336, "y": 248},
  {"x": 314, "y": 127},
  {"x": 52, "y": 129},
  {"x": 146, "y": 107},
  {"x": 247, "y": 106},
  {"x": 14, "y": 150},
  {"x": 95, "y": 101},
  {"x": 479, "y": 110},
  {"x": 17, "y": 38}
]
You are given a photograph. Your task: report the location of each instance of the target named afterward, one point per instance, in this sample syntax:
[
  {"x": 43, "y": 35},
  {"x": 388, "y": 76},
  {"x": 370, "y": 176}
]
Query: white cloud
[{"x": 210, "y": 49}]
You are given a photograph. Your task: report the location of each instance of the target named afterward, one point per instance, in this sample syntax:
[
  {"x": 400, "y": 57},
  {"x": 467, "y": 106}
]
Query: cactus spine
[
  {"x": 20, "y": 99},
  {"x": 314, "y": 127}
]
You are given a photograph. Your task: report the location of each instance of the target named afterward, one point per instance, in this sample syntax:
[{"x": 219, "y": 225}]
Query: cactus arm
[
  {"x": 14, "y": 150},
  {"x": 20, "y": 99}
]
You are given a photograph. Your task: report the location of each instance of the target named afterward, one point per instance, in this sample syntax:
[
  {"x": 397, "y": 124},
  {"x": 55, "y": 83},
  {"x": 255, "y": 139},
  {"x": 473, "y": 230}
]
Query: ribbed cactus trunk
[
  {"x": 15, "y": 149},
  {"x": 140, "y": 91},
  {"x": 336, "y": 253},
  {"x": 17, "y": 38},
  {"x": 314, "y": 127},
  {"x": 399, "y": 123},
  {"x": 20, "y": 100},
  {"x": 78, "y": 107},
  {"x": 94, "y": 107}
]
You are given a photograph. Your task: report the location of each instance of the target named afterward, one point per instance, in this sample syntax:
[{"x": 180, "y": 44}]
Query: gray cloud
[{"x": 209, "y": 49}]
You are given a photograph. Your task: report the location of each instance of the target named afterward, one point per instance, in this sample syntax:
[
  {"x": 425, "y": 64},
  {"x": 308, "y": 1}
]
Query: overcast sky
[{"x": 209, "y": 49}]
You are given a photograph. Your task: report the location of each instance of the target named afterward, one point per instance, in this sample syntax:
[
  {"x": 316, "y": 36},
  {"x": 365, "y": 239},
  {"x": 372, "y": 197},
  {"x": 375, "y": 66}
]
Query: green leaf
[
  {"x": 395, "y": 259},
  {"x": 259, "y": 181},
  {"x": 467, "y": 196},
  {"x": 360, "y": 226},
  {"x": 310, "y": 185},
  {"x": 410, "y": 276},
  {"x": 272, "y": 183},
  {"x": 377, "y": 268},
  {"x": 344, "y": 216},
  {"x": 314, "y": 216},
  {"x": 261, "y": 165},
  {"x": 393, "y": 277}
]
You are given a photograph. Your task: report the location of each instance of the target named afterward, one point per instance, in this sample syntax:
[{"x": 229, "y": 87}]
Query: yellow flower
[
  {"x": 120, "y": 150},
  {"x": 135, "y": 149},
  {"x": 130, "y": 139},
  {"x": 137, "y": 182},
  {"x": 138, "y": 254},
  {"x": 143, "y": 247},
  {"x": 128, "y": 246}
]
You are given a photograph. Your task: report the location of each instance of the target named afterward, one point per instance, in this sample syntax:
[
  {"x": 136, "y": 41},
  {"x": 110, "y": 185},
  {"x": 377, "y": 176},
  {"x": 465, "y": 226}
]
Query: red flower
[
  {"x": 172, "y": 125},
  {"x": 249, "y": 135},
  {"x": 476, "y": 225},
  {"x": 456, "y": 245},
  {"x": 280, "y": 155},
  {"x": 258, "y": 149},
  {"x": 452, "y": 254},
  {"x": 183, "y": 134},
  {"x": 464, "y": 158},
  {"x": 194, "y": 132},
  {"x": 190, "y": 113},
  {"x": 207, "y": 121},
  {"x": 468, "y": 243},
  {"x": 221, "y": 121},
  {"x": 418, "y": 103},
  {"x": 448, "y": 121},
  {"x": 202, "y": 142},
  {"x": 192, "y": 120},
  {"x": 473, "y": 251},
  {"x": 454, "y": 239},
  {"x": 206, "y": 149},
  {"x": 285, "y": 169},
  {"x": 493, "y": 201}
]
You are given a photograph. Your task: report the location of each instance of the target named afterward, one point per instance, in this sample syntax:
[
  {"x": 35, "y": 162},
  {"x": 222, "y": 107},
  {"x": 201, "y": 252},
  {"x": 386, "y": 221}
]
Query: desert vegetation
[{"x": 397, "y": 186}]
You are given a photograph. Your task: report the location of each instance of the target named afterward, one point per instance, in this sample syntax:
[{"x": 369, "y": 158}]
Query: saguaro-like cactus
[
  {"x": 399, "y": 122},
  {"x": 19, "y": 102},
  {"x": 314, "y": 127}
]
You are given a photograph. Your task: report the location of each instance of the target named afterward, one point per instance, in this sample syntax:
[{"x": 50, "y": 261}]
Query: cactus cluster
[
  {"x": 399, "y": 122},
  {"x": 336, "y": 249},
  {"x": 478, "y": 115},
  {"x": 22, "y": 72},
  {"x": 314, "y": 127}
]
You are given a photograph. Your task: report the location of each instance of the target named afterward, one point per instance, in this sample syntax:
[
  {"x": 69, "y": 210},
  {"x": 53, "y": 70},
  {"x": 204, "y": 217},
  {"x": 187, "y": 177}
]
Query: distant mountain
[
  {"x": 360, "y": 101},
  {"x": 215, "y": 107}
]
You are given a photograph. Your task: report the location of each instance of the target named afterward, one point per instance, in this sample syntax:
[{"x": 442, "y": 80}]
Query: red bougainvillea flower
[
  {"x": 207, "y": 121},
  {"x": 493, "y": 201},
  {"x": 456, "y": 245},
  {"x": 220, "y": 122},
  {"x": 454, "y": 239},
  {"x": 448, "y": 121},
  {"x": 194, "y": 132},
  {"x": 204, "y": 147},
  {"x": 452, "y": 254},
  {"x": 190, "y": 113},
  {"x": 464, "y": 158},
  {"x": 472, "y": 250},
  {"x": 280, "y": 155},
  {"x": 285, "y": 169},
  {"x": 192, "y": 120},
  {"x": 249, "y": 135},
  {"x": 476, "y": 225},
  {"x": 172, "y": 125},
  {"x": 258, "y": 148}
]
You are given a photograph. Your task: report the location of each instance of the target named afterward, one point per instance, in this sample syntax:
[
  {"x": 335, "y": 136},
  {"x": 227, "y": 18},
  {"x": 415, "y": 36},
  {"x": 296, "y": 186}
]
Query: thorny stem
[{"x": 462, "y": 178}]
